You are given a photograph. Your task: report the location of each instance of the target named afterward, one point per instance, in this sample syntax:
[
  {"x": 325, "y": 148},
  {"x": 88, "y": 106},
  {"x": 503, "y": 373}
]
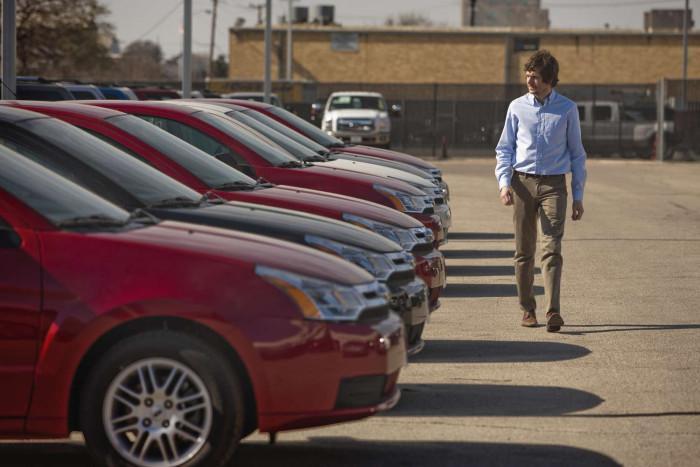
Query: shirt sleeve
[
  {"x": 577, "y": 154},
  {"x": 505, "y": 150}
]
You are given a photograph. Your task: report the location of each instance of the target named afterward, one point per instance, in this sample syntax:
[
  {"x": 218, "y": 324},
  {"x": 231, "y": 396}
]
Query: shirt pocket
[{"x": 555, "y": 127}]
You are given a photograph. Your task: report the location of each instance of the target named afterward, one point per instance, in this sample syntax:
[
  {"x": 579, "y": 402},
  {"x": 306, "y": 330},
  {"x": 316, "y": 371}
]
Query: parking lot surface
[{"x": 618, "y": 385}]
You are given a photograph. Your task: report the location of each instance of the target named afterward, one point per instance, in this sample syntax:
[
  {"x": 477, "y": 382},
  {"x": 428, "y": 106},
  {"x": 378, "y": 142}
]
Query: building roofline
[{"x": 495, "y": 31}]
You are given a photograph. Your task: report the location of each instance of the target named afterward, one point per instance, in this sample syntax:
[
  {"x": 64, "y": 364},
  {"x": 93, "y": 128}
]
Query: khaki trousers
[{"x": 543, "y": 197}]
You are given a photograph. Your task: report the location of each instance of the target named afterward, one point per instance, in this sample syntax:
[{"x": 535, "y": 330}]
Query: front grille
[
  {"x": 361, "y": 391},
  {"x": 359, "y": 125},
  {"x": 373, "y": 315},
  {"x": 399, "y": 278},
  {"x": 422, "y": 249}
]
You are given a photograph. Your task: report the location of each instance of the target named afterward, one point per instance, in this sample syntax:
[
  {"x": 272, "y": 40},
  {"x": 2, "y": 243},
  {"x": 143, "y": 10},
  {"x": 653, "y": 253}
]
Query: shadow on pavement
[
  {"x": 490, "y": 400},
  {"x": 483, "y": 271},
  {"x": 477, "y": 254},
  {"x": 348, "y": 452},
  {"x": 583, "y": 329},
  {"x": 440, "y": 351},
  {"x": 341, "y": 452},
  {"x": 484, "y": 290},
  {"x": 479, "y": 236}
]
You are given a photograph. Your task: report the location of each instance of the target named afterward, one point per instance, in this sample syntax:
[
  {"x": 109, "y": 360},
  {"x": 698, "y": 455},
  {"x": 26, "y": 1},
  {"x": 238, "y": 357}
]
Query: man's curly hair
[{"x": 546, "y": 65}]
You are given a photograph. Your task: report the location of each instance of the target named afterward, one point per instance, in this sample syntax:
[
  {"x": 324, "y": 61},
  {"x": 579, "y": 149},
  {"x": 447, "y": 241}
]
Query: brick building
[{"x": 461, "y": 55}]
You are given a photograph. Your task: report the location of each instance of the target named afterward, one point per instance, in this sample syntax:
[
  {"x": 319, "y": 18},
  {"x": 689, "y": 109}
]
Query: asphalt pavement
[{"x": 618, "y": 385}]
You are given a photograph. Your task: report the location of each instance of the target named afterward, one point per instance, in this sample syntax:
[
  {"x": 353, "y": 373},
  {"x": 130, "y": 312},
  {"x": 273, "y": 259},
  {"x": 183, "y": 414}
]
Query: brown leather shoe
[
  {"x": 554, "y": 322},
  {"x": 529, "y": 320}
]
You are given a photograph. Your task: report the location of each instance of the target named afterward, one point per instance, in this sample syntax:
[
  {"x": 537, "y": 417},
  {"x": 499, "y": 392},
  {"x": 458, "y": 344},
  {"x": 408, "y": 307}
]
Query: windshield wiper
[
  {"x": 178, "y": 201},
  {"x": 233, "y": 186},
  {"x": 93, "y": 220},
  {"x": 291, "y": 165},
  {"x": 316, "y": 159},
  {"x": 142, "y": 216}
]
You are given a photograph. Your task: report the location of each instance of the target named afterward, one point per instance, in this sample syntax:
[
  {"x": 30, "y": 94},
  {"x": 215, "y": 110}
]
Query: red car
[
  {"x": 165, "y": 343},
  {"x": 332, "y": 143},
  {"x": 200, "y": 172},
  {"x": 234, "y": 144}
]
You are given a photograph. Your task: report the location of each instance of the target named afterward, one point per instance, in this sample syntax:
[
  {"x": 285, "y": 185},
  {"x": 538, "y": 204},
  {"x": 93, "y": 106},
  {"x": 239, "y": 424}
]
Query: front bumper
[
  {"x": 319, "y": 373},
  {"x": 410, "y": 302},
  {"x": 431, "y": 268},
  {"x": 434, "y": 223},
  {"x": 370, "y": 139},
  {"x": 445, "y": 214}
]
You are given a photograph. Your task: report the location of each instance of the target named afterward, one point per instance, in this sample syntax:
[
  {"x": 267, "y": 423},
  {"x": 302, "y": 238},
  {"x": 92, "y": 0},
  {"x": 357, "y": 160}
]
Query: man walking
[{"x": 540, "y": 144}]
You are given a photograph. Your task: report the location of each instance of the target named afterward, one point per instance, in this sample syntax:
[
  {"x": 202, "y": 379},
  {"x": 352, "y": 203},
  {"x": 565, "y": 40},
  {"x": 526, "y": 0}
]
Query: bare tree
[{"x": 409, "y": 19}]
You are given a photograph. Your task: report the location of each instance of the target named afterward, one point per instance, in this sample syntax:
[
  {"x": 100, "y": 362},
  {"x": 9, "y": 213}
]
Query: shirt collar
[{"x": 552, "y": 95}]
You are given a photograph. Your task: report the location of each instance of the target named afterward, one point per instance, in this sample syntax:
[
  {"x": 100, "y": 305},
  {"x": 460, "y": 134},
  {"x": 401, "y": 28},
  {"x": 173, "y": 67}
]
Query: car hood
[
  {"x": 283, "y": 224},
  {"x": 330, "y": 204},
  {"x": 385, "y": 162},
  {"x": 388, "y": 154},
  {"x": 323, "y": 169},
  {"x": 356, "y": 113},
  {"x": 228, "y": 245},
  {"x": 380, "y": 171}
]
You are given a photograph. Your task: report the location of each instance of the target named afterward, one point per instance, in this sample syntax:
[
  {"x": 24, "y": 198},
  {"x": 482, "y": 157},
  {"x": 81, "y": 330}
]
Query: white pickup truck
[
  {"x": 359, "y": 118},
  {"x": 610, "y": 127}
]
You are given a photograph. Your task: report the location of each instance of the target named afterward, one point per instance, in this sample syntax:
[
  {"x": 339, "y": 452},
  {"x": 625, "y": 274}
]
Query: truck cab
[{"x": 358, "y": 118}]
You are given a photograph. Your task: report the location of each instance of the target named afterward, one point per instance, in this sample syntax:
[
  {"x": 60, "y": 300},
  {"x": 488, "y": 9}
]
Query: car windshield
[
  {"x": 299, "y": 151},
  {"x": 284, "y": 129},
  {"x": 313, "y": 132},
  {"x": 357, "y": 102},
  {"x": 91, "y": 159},
  {"x": 212, "y": 172},
  {"x": 249, "y": 138},
  {"x": 55, "y": 198}
]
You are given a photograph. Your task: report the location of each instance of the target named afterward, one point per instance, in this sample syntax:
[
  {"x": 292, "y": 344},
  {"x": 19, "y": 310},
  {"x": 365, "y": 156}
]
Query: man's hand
[
  {"x": 507, "y": 196},
  {"x": 577, "y": 210}
]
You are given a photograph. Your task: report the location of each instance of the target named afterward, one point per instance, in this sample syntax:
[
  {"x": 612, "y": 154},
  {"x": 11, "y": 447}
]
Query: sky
[{"x": 161, "y": 20}]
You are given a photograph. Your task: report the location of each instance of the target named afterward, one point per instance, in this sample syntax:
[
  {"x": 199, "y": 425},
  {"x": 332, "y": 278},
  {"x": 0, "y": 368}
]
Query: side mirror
[
  {"x": 9, "y": 239},
  {"x": 395, "y": 110}
]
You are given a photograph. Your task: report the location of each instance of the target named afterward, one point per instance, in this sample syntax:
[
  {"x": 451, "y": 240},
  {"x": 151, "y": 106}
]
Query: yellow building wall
[{"x": 424, "y": 57}]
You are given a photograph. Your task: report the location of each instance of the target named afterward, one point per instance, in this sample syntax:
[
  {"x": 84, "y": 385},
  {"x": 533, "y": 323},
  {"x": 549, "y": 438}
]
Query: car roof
[
  {"x": 356, "y": 93},
  {"x": 9, "y": 114},
  {"x": 71, "y": 107}
]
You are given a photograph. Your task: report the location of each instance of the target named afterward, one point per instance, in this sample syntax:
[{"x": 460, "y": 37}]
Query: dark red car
[
  {"x": 234, "y": 144},
  {"x": 165, "y": 343},
  {"x": 200, "y": 172},
  {"x": 331, "y": 142}
]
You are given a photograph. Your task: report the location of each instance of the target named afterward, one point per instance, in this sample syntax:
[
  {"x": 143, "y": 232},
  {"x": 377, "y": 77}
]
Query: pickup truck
[
  {"x": 359, "y": 118},
  {"x": 609, "y": 127}
]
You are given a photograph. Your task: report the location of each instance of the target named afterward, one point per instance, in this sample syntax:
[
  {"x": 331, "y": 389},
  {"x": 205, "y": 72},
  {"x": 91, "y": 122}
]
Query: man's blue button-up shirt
[{"x": 543, "y": 139}]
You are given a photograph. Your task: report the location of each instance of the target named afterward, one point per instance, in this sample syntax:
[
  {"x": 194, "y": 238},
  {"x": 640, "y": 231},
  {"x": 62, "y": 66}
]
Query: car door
[{"x": 20, "y": 304}]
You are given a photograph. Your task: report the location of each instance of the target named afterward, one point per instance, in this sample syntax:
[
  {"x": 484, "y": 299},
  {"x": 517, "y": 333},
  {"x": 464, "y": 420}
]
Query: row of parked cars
[{"x": 176, "y": 275}]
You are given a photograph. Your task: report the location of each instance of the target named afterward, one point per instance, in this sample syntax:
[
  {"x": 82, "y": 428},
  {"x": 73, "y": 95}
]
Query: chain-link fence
[{"x": 467, "y": 119}]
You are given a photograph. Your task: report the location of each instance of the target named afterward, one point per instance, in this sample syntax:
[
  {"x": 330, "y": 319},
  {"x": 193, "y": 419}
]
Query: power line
[{"x": 160, "y": 21}]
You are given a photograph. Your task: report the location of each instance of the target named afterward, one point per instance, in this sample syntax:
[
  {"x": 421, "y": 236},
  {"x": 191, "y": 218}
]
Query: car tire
[{"x": 162, "y": 394}]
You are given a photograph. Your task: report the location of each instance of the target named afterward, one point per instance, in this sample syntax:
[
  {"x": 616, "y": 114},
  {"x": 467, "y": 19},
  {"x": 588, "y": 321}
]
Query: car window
[
  {"x": 581, "y": 113},
  {"x": 198, "y": 162},
  {"x": 83, "y": 95},
  {"x": 357, "y": 102},
  {"x": 253, "y": 140},
  {"x": 277, "y": 126},
  {"x": 81, "y": 151},
  {"x": 313, "y": 132},
  {"x": 201, "y": 141},
  {"x": 116, "y": 144},
  {"x": 602, "y": 113},
  {"x": 53, "y": 197}
]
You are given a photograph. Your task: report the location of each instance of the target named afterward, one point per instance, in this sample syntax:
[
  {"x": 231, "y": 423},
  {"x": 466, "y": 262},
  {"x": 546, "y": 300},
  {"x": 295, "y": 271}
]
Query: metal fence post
[
  {"x": 435, "y": 94},
  {"x": 9, "y": 50},
  {"x": 660, "y": 104}
]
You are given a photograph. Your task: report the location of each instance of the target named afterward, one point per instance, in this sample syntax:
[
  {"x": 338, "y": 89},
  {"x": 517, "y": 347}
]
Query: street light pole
[
  {"x": 684, "y": 84},
  {"x": 187, "y": 51},
  {"x": 212, "y": 39},
  {"x": 267, "y": 87},
  {"x": 289, "y": 42},
  {"x": 9, "y": 50}
]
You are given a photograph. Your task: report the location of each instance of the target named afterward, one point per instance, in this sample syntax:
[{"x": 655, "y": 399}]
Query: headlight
[
  {"x": 321, "y": 300},
  {"x": 378, "y": 265},
  {"x": 403, "y": 201},
  {"x": 328, "y": 125},
  {"x": 407, "y": 238},
  {"x": 383, "y": 124}
]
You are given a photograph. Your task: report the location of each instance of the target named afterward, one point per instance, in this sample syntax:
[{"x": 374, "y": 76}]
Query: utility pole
[
  {"x": 187, "y": 51},
  {"x": 259, "y": 7},
  {"x": 215, "y": 4},
  {"x": 472, "y": 13},
  {"x": 289, "y": 40},
  {"x": 267, "y": 86},
  {"x": 9, "y": 50},
  {"x": 684, "y": 84}
]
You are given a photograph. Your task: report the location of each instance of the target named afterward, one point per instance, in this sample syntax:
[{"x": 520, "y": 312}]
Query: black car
[{"x": 128, "y": 183}]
